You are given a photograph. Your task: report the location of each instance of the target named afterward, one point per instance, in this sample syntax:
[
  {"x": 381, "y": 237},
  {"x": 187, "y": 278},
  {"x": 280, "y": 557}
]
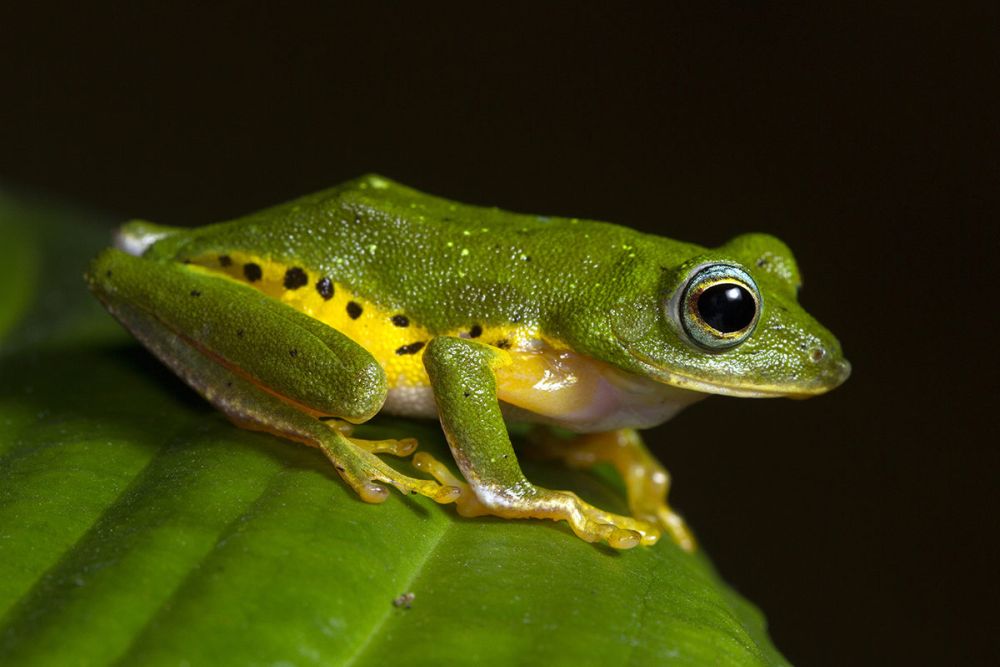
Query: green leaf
[{"x": 137, "y": 526}]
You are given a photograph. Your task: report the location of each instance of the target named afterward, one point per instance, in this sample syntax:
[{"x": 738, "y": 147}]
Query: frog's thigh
[
  {"x": 646, "y": 480},
  {"x": 300, "y": 359},
  {"x": 462, "y": 375},
  {"x": 204, "y": 359}
]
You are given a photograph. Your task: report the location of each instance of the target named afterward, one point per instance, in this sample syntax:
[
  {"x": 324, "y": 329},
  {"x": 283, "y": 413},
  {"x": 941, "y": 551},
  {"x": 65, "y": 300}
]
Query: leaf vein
[
  {"x": 386, "y": 615},
  {"x": 227, "y": 531},
  {"x": 16, "y": 605}
]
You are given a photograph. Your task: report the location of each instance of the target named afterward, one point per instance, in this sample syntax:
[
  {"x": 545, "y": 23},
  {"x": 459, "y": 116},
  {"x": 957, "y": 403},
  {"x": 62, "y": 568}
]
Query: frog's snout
[
  {"x": 98, "y": 275},
  {"x": 833, "y": 368},
  {"x": 840, "y": 372}
]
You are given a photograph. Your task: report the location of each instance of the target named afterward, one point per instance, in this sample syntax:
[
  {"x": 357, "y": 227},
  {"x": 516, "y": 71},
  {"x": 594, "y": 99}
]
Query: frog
[{"x": 308, "y": 318}]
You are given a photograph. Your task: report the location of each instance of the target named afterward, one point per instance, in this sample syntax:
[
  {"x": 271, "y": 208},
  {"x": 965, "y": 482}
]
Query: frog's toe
[
  {"x": 465, "y": 501},
  {"x": 621, "y": 532},
  {"x": 371, "y": 489},
  {"x": 402, "y": 447},
  {"x": 373, "y": 492},
  {"x": 624, "y": 539},
  {"x": 675, "y": 526},
  {"x": 658, "y": 512}
]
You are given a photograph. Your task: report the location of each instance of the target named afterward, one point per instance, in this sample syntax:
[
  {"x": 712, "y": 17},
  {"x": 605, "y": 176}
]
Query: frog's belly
[
  {"x": 608, "y": 407},
  {"x": 604, "y": 400},
  {"x": 410, "y": 401}
]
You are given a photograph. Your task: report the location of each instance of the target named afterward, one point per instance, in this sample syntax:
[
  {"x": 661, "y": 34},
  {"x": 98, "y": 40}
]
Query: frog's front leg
[
  {"x": 265, "y": 365},
  {"x": 646, "y": 480},
  {"x": 462, "y": 376}
]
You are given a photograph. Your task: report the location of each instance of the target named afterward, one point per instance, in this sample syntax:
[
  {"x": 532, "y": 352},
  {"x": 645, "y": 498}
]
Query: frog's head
[{"x": 727, "y": 321}]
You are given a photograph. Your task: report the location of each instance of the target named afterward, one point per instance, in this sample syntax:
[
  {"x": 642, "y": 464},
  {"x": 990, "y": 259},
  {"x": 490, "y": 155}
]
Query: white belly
[
  {"x": 569, "y": 391},
  {"x": 410, "y": 402}
]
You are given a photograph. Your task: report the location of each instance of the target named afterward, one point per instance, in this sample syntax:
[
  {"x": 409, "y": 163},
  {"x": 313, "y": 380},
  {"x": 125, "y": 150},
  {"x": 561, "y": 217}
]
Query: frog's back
[{"x": 441, "y": 261}]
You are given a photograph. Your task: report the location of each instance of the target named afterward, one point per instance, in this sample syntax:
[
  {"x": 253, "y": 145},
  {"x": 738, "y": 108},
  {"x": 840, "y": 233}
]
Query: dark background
[{"x": 863, "y": 523}]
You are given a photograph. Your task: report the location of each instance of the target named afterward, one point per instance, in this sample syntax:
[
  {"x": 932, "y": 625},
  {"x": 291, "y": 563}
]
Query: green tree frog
[{"x": 307, "y": 318}]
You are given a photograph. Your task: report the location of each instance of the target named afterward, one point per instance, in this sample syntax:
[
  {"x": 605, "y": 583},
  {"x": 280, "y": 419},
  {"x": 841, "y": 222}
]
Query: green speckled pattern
[{"x": 602, "y": 289}]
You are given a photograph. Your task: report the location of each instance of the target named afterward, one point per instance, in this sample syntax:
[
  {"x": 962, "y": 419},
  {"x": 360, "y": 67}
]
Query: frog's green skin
[{"x": 372, "y": 295}]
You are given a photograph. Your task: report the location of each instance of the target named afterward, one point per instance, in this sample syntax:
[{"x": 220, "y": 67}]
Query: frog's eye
[{"x": 719, "y": 306}]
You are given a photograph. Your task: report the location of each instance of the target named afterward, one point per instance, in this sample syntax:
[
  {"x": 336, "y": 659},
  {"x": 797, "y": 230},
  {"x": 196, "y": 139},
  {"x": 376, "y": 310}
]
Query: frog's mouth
[{"x": 835, "y": 375}]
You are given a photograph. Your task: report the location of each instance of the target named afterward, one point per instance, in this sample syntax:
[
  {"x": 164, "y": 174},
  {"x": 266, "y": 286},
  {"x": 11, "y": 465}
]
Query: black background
[{"x": 862, "y": 522}]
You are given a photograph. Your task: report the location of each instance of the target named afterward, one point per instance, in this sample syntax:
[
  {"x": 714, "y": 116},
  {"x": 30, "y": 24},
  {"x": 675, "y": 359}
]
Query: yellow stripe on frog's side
[{"x": 393, "y": 338}]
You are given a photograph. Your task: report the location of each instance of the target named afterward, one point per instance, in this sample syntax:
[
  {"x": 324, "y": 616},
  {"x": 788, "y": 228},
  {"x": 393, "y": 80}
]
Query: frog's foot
[
  {"x": 368, "y": 475},
  {"x": 646, "y": 481},
  {"x": 356, "y": 462},
  {"x": 527, "y": 501}
]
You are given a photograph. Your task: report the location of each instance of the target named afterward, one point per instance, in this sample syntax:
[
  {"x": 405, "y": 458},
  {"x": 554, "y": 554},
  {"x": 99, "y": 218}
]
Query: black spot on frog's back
[
  {"x": 412, "y": 348},
  {"x": 252, "y": 272},
  {"x": 295, "y": 278},
  {"x": 324, "y": 286}
]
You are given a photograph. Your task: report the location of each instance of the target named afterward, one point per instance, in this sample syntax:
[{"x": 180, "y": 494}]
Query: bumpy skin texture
[
  {"x": 598, "y": 287},
  {"x": 308, "y": 302}
]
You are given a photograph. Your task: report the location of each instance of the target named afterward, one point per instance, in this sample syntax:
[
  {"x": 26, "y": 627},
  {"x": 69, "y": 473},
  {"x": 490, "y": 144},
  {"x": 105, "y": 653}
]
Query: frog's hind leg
[
  {"x": 239, "y": 349},
  {"x": 646, "y": 481},
  {"x": 462, "y": 375}
]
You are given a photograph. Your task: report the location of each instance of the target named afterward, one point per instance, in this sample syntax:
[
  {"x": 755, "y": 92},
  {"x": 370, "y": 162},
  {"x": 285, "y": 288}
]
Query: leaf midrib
[
  {"x": 227, "y": 531},
  {"x": 137, "y": 479}
]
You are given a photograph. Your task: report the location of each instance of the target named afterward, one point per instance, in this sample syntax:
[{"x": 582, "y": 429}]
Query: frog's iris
[{"x": 720, "y": 306}]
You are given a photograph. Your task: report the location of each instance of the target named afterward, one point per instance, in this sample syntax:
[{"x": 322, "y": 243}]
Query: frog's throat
[{"x": 741, "y": 390}]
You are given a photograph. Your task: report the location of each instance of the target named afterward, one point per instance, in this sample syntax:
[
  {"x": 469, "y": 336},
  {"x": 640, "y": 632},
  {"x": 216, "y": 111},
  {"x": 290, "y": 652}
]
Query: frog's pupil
[{"x": 726, "y": 307}]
